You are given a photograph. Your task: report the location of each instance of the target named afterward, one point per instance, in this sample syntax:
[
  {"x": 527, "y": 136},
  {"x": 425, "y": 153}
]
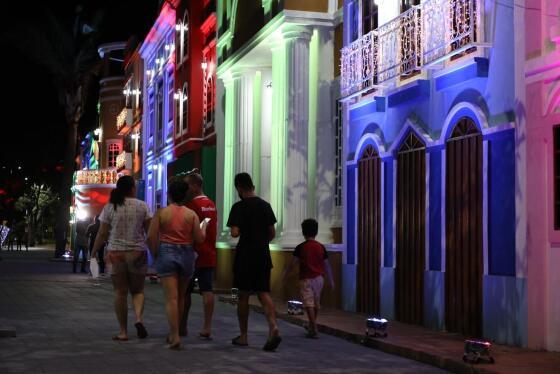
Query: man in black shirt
[{"x": 252, "y": 220}]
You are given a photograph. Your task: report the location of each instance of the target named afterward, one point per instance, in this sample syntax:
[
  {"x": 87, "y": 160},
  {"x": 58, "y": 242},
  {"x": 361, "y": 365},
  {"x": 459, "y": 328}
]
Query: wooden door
[
  {"x": 463, "y": 248},
  {"x": 411, "y": 232},
  {"x": 369, "y": 231}
]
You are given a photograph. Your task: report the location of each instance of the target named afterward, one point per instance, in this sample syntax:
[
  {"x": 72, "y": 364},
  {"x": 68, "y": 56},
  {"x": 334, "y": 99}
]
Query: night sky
[{"x": 32, "y": 122}]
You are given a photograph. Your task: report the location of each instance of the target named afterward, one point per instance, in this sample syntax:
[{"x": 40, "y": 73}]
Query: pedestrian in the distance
[
  {"x": 170, "y": 238},
  {"x": 313, "y": 267},
  {"x": 81, "y": 246},
  {"x": 124, "y": 222},
  {"x": 206, "y": 261},
  {"x": 252, "y": 220},
  {"x": 91, "y": 232}
]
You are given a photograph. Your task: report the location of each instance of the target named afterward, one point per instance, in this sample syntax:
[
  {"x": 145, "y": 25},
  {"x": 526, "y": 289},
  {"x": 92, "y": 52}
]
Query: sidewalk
[
  {"x": 440, "y": 349},
  {"x": 63, "y": 323}
]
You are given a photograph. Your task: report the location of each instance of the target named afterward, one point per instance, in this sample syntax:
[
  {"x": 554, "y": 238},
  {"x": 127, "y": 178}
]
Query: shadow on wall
[
  {"x": 434, "y": 299},
  {"x": 505, "y": 310},
  {"x": 326, "y": 167}
]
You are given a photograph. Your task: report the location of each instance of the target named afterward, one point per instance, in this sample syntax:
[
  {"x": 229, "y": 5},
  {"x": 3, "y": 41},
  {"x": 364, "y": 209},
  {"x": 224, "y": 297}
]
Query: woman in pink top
[{"x": 170, "y": 238}]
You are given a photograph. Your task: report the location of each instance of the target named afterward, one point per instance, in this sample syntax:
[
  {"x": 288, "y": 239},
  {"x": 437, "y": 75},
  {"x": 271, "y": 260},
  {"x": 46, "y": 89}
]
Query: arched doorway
[
  {"x": 463, "y": 216},
  {"x": 411, "y": 233},
  {"x": 369, "y": 231}
]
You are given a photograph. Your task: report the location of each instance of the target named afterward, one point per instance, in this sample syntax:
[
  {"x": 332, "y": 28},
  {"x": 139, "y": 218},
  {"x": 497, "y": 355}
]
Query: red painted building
[{"x": 195, "y": 77}]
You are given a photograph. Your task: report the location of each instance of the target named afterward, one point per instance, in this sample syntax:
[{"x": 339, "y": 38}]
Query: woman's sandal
[
  {"x": 119, "y": 339},
  {"x": 204, "y": 336},
  {"x": 272, "y": 343},
  {"x": 175, "y": 346},
  {"x": 141, "y": 330},
  {"x": 235, "y": 341}
]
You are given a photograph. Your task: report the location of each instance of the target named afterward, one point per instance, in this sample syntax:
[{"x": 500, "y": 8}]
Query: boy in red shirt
[
  {"x": 313, "y": 266},
  {"x": 206, "y": 261}
]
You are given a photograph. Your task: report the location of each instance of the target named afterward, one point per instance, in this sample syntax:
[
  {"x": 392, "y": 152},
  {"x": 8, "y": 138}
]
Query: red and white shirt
[{"x": 205, "y": 208}]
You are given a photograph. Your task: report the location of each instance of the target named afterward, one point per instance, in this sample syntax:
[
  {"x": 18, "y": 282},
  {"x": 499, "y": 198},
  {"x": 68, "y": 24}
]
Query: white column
[
  {"x": 244, "y": 125},
  {"x": 296, "y": 48},
  {"x": 232, "y": 91}
]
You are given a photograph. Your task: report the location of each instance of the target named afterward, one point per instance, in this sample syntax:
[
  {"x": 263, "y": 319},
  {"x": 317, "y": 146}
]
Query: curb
[{"x": 456, "y": 366}]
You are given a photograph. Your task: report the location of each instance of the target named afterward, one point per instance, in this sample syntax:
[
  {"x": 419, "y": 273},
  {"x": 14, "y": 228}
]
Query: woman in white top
[{"x": 124, "y": 222}]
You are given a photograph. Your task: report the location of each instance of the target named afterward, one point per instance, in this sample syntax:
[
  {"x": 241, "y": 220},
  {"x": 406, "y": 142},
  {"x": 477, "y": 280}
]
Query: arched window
[
  {"x": 182, "y": 39},
  {"x": 112, "y": 153},
  {"x": 185, "y": 107},
  {"x": 178, "y": 113},
  {"x": 159, "y": 114},
  {"x": 185, "y": 36},
  {"x": 209, "y": 103}
]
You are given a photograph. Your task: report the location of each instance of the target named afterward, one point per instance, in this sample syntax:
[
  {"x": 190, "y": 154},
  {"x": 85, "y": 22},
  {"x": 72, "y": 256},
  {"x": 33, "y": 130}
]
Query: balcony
[{"x": 423, "y": 36}]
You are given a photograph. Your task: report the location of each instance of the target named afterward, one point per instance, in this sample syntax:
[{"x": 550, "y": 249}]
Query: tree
[
  {"x": 70, "y": 56},
  {"x": 35, "y": 203}
]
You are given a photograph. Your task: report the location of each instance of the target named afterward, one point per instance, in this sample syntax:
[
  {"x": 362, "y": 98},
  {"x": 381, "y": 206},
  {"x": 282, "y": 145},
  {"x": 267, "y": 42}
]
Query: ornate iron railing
[{"x": 423, "y": 35}]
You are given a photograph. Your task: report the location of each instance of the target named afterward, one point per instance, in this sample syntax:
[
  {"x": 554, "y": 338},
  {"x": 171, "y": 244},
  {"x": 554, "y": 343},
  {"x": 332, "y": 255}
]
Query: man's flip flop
[
  {"x": 119, "y": 339},
  {"x": 272, "y": 344},
  {"x": 141, "y": 330},
  {"x": 235, "y": 341},
  {"x": 204, "y": 336}
]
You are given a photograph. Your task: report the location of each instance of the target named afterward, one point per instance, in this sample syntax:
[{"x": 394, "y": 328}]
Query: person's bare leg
[
  {"x": 171, "y": 307},
  {"x": 183, "y": 325},
  {"x": 270, "y": 312},
  {"x": 312, "y": 317},
  {"x": 208, "y": 302},
  {"x": 137, "y": 292},
  {"x": 120, "y": 286},
  {"x": 182, "y": 284},
  {"x": 243, "y": 315}
]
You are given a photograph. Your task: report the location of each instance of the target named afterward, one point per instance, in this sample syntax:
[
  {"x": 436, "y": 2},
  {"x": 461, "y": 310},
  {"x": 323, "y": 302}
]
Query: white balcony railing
[{"x": 425, "y": 34}]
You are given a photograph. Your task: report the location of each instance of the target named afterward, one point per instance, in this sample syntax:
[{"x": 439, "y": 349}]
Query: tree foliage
[{"x": 34, "y": 204}]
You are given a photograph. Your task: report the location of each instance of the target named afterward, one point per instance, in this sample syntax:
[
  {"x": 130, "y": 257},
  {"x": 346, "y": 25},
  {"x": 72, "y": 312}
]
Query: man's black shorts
[
  {"x": 205, "y": 277},
  {"x": 257, "y": 280}
]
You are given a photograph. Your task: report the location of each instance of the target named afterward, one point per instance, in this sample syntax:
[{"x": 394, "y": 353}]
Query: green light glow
[
  {"x": 257, "y": 93},
  {"x": 312, "y": 126},
  {"x": 229, "y": 142},
  {"x": 278, "y": 131}
]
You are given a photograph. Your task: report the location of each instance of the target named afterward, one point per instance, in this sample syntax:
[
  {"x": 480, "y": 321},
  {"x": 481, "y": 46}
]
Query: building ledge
[
  {"x": 477, "y": 69},
  {"x": 418, "y": 89}
]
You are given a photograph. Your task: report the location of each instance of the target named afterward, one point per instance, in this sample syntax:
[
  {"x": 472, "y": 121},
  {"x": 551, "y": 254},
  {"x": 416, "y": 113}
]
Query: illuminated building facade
[
  {"x": 158, "y": 53},
  {"x": 195, "y": 90},
  {"x": 444, "y": 144},
  {"x": 129, "y": 120},
  {"x": 275, "y": 119},
  {"x": 539, "y": 153}
]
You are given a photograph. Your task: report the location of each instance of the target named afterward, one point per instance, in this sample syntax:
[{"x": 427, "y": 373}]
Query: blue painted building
[
  {"x": 158, "y": 53},
  {"x": 431, "y": 113}
]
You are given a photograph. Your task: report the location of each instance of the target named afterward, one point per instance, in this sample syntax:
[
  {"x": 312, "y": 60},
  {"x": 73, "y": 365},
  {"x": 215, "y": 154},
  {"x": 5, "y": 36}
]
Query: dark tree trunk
[{"x": 63, "y": 215}]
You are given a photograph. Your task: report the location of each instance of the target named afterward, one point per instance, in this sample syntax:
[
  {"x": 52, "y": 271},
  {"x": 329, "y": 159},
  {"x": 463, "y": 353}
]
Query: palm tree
[{"x": 69, "y": 54}]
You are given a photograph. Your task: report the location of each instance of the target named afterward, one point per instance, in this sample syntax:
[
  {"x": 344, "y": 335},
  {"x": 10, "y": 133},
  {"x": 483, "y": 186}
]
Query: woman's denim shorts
[{"x": 175, "y": 259}]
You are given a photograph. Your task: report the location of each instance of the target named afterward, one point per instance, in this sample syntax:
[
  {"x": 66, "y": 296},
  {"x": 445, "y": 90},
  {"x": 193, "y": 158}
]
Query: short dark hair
[
  {"x": 177, "y": 189},
  {"x": 244, "y": 182},
  {"x": 194, "y": 178},
  {"x": 309, "y": 227}
]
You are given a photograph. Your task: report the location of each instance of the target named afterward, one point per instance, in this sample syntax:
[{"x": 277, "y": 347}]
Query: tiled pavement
[{"x": 64, "y": 322}]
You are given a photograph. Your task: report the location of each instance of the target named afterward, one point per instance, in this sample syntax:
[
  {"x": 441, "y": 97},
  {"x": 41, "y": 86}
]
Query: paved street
[{"x": 64, "y": 323}]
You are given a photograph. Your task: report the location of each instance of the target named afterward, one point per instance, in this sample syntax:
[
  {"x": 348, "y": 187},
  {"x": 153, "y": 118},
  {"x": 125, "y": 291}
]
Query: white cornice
[{"x": 293, "y": 17}]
